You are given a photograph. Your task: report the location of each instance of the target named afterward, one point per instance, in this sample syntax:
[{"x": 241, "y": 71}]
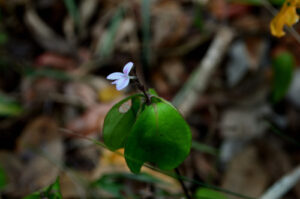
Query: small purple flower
[{"x": 121, "y": 79}]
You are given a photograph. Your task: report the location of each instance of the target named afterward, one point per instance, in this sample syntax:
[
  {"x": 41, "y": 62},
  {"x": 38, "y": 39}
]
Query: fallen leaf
[
  {"x": 81, "y": 93},
  {"x": 37, "y": 160},
  {"x": 175, "y": 24},
  {"x": 239, "y": 125},
  {"x": 114, "y": 162},
  {"x": 38, "y": 90},
  {"x": 55, "y": 60},
  {"x": 245, "y": 174},
  {"x": 91, "y": 121},
  {"x": 286, "y": 16},
  {"x": 44, "y": 35},
  {"x": 173, "y": 70},
  {"x": 108, "y": 94}
]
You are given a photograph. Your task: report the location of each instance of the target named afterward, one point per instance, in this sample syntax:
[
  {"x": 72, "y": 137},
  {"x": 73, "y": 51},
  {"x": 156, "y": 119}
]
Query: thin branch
[
  {"x": 187, "y": 97},
  {"x": 184, "y": 188},
  {"x": 283, "y": 185},
  {"x": 141, "y": 87}
]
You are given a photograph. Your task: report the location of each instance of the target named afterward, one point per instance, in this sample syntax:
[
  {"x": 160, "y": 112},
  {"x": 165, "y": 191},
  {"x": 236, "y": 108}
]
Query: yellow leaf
[
  {"x": 113, "y": 158},
  {"x": 286, "y": 16},
  {"x": 108, "y": 94}
]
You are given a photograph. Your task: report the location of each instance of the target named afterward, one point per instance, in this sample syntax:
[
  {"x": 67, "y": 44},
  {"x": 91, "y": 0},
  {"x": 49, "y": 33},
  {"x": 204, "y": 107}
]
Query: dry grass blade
[
  {"x": 188, "y": 95},
  {"x": 44, "y": 35},
  {"x": 283, "y": 185}
]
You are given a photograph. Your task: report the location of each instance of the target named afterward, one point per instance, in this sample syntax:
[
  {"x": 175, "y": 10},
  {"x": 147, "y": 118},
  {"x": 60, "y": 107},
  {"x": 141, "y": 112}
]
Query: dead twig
[
  {"x": 187, "y": 97},
  {"x": 45, "y": 36},
  {"x": 283, "y": 185}
]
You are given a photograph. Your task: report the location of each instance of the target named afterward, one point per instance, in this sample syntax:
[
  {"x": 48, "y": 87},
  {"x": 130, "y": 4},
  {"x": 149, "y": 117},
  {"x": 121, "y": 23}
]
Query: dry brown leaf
[
  {"x": 168, "y": 27},
  {"x": 38, "y": 159},
  {"x": 276, "y": 160},
  {"x": 82, "y": 93},
  {"x": 239, "y": 125},
  {"x": 82, "y": 154},
  {"x": 245, "y": 174},
  {"x": 174, "y": 71},
  {"x": 161, "y": 85},
  {"x": 38, "y": 90},
  {"x": 13, "y": 168},
  {"x": 91, "y": 121},
  {"x": 250, "y": 24},
  {"x": 45, "y": 36},
  {"x": 70, "y": 185},
  {"x": 42, "y": 139},
  {"x": 244, "y": 122},
  {"x": 112, "y": 162},
  {"x": 111, "y": 4},
  {"x": 109, "y": 94},
  {"x": 297, "y": 190},
  {"x": 126, "y": 37},
  {"x": 55, "y": 60},
  {"x": 222, "y": 9},
  {"x": 87, "y": 9},
  {"x": 203, "y": 166}
]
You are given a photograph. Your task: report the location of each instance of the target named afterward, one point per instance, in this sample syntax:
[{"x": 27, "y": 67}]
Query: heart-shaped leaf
[
  {"x": 119, "y": 120},
  {"x": 160, "y": 136}
]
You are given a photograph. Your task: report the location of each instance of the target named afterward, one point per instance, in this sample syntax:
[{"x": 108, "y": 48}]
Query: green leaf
[
  {"x": 160, "y": 136},
  {"x": 283, "y": 65},
  {"x": 249, "y": 2},
  {"x": 110, "y": 185},
  {"x": 277, "y": 2},
  {"x": 35, "y": 195},
  {"x": 146, "y": 33},
  {"x": 113, "y": 184},
  {"x": 205, "y": 148},
  {"x": 204, "y": 193},
  {"x": 152, "y": 92},
  {"x": 198, "y": 20},
  {"x": 258, "y": 2},
  {"x": 141, "y": 177},
  {"x": 73, "y": 10},
  {"x": 50, "y": 192},
  {"x": 9, "y": 107},
  {"x": 119, "y": 120},
  {"x": 2, "y": 179},
  {"x": 3, "y": 38},
  {"x": 106, "y": 45},
  {"x": 51, "y": 73}
]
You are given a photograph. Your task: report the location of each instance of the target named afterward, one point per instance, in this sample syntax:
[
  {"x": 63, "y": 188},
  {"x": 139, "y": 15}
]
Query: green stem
[{"x": 184, "y": 188}]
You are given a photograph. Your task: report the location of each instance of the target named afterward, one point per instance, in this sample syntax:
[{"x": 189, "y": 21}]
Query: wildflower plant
[
  {"x": 122, "y": 79},
  {"x": 149, "y": 128}
]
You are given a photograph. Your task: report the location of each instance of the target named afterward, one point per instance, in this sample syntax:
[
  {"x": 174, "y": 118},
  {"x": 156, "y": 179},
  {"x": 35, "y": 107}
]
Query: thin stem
[
  {"x": 141, "y": 87},
  {"x": 184, "y": 188}
]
